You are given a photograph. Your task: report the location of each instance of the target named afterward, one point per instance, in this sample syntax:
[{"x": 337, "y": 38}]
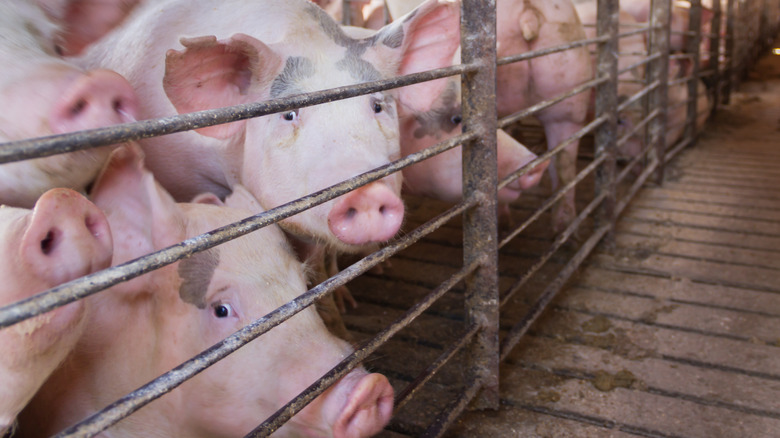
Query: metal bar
[
  {"x": 659, "y": 71},
  {"x": 170, "y": 380},
  {"x": 728, "y": 70},
  {"x": 559, "y": 194},
  {"x": 546, "y": 51},
  {"x": 560, "y": 239},
  {"x": 56, "y": 144},
  {"x": 93, "y": 283},
  {"x": 275, "y": 421},
  {"x": 346, "y": 13},
  {"x": 693, "y": 46},
  {"x": 678, "y": 148},
  {"x": 480, "y": 230},
  {"x": 449, "y": 414},
  {"x": 638, "y": 95},
  {"x": 640, "y": 181},
  {"x": 531, "y": 110},
  {"x": 406, "y": 394},
  {"x": 607, "y": 21},
  {"x": 644, "y": 61},
  {"x": 517, "y": 332},
  {"x": 622, "y": 140},
  {"x": 549, "y": 154},
  {"x": 714, "y": 62}
]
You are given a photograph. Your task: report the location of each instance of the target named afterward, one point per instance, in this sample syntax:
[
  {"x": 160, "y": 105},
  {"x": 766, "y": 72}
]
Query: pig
[
  {"x": 631, "y": 49},
  {"x": 680, "y": 20},
  {"x": 521, "y": 26},
  {"x": 678, "y": 108},
  {"x": 334, "y": 8},
  {"x": 286, "y": 48},
  {"x": 62, "y": 238},
  {"x": 140, "y": 329},
  {"x": 51, "y": 96}
]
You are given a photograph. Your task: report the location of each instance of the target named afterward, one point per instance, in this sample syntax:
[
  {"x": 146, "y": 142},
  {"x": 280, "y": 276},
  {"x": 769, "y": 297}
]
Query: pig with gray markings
[{"x": 140, "y": 329}]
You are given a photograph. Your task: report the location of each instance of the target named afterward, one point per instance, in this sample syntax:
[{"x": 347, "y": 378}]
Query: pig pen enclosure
[{"x": 444, "y": 309}]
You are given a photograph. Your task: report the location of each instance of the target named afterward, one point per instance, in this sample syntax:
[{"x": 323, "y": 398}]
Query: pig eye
[
  {"x": 291, "y": 116},
  {"x": 223, "y": 310},
  {"x": 377, "y": 107},
  {"x": 456, "y": 119}
]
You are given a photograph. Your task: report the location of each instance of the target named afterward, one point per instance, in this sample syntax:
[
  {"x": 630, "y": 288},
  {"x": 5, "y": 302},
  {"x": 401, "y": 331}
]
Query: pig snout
[
  {"x": 372, "y": 213},
  {"x": 368, "y": 408},
  {"x": 67, "y": 237},
  {"x": 531, "y": 179},
  {"x": 96, "y": 99}
]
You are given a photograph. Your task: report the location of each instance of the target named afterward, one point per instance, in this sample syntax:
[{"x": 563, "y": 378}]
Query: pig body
[
  {"x": 144, "y": 327},
  {"x": 185, "y": 56},
  {"x": 50, "y": 96},
  {"x": 62, "y": 238}
]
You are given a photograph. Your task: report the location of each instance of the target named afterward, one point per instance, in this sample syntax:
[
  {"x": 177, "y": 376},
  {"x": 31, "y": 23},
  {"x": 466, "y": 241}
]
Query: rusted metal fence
[{"x": 739, "y": 32}]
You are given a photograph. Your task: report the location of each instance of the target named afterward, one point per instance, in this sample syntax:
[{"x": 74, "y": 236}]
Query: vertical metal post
[
  {"x": 715, "y": 26},
  {"x": 480, "y": 232},
  {"x": 346, "y": 13},
  {"x": 728, "y": 70},
  {"x": 693, "y": 45},
  {"x": 607, "y": 23},
  {"x": 660, "y": 16}
]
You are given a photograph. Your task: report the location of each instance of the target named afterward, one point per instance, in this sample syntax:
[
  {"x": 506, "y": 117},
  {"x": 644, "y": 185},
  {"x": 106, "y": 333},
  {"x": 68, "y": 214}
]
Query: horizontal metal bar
[
  {"x": 95, "y": 282},
  {"x": 587, "y": 129},
  {"x": 622, "y": 140},
  {"x": 406, "y": 394},
  {"x": 275, "y": 421},
  {"x": 640, "y": 181},
  {"x": 546, "y": 51},
  {"x": 640, "y": 63},
  {"x": 678, "y": 147},
  {"x": 517, "y": 332},
  {"x": 450, "y": 413},
  {"x": 512, "y": 118},
  {"x": 559, "y": 239},
  {"x": 678, "y": 56},
  {"x": 57, "y": 144},
  {"x": 638, "y": 95},
  {"x": 172, "y": 379}
]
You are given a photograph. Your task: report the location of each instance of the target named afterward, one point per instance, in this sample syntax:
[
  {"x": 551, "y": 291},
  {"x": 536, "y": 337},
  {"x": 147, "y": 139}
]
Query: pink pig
[
  {"x": 45, "y": 95},
  {"x": 184, "y": 56},
  {"x": 62, "y": 238},
  {"x": 142, "y": 328}
]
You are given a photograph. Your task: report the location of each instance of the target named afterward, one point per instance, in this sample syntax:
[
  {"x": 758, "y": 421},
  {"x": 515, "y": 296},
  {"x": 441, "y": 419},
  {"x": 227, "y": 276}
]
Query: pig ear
[
  {"x": 211, "y": 74},
  {"x": 139, "y": 210},
  {"x": 426, "y": 38},
  {"x": 243, "y": 199}
]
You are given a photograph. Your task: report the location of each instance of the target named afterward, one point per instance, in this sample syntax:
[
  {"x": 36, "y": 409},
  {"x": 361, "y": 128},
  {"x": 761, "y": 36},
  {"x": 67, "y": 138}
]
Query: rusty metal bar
[
  {"x": 632, "y": 191},
  {"x": 693, "y": 46},
  {"x": 728, "y": 70},
  {"x": 480, "y": 230},
  {"x": 346, "y": 13},
  {"x": 275, "y": 421},
  {"x": 517, "y": 332},
  {"x": 56, "y": 144},
  {"x": 449, "y": 414},
  {"x": 546, "y": 51},
  {"x": 550, "y": 153},
  {"x": 425, "y": 375},
  {"x": 170, "y": 380},
  {"x": 638, "y": 95},
  {"x": 622, "y": 140},
  {"x": 714, "y": 61},
  {"x": 531, "y": 110},
  {"x": 646, "y": 60},
  {"x": 660, "y": 12},
  {"x": 561, "y": 238},
  {"x": 93, "y": 283},
  {"x": 559, "y": 194},
  {"x": 678, "y": 147}
]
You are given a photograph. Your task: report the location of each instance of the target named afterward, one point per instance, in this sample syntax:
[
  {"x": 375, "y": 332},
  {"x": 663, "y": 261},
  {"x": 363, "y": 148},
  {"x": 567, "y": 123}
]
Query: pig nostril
[
  {"x": 382, "y": 210},
  {"x": 47, "y": 244},
  {"x": 116, "y": 105},
  {"x": 350, "y": 213},
  {"x": 78, "y": 108},
  {"x": 92, "y": 226}
]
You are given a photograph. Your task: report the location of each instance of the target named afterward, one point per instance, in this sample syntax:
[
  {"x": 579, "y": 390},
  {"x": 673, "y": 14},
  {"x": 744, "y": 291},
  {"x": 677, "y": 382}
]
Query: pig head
[
  {"x": 201, "y": 55},
  {"x": 144, "y": 327},
  {"x": 45, "y": 95},
  {"x": 62, "y": 238}
]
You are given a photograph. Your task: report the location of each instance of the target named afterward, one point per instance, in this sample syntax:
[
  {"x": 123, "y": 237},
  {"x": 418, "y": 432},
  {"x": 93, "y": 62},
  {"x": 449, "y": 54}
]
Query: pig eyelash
[{"x": 291, "y": 116}]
